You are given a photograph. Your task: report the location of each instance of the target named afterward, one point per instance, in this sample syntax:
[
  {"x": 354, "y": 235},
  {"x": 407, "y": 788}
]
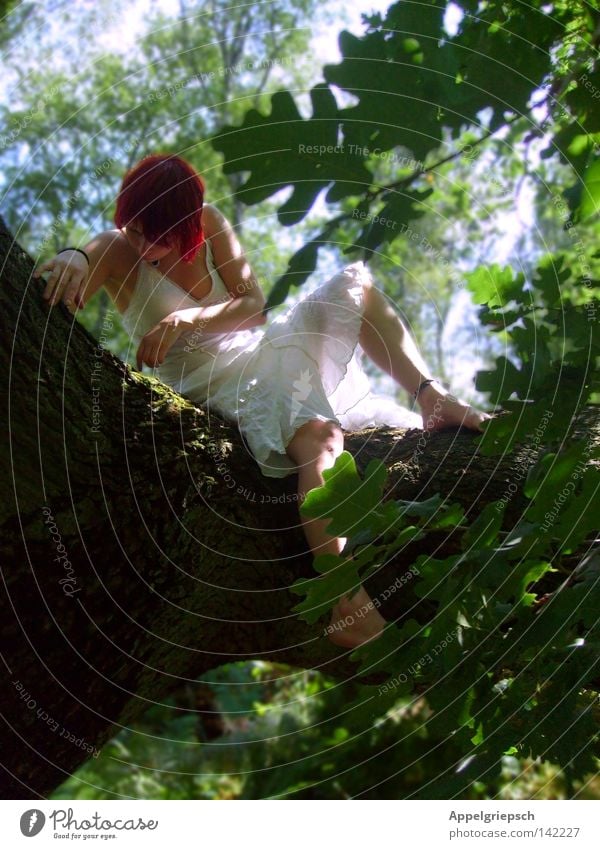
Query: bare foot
[
  {"x": 355, "y": 621},
  {"x": 441, "y": 409}
]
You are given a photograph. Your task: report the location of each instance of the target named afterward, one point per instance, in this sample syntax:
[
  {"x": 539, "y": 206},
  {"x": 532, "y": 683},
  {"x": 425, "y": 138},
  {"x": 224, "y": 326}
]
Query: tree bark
[{"x": 141, "y": 545}]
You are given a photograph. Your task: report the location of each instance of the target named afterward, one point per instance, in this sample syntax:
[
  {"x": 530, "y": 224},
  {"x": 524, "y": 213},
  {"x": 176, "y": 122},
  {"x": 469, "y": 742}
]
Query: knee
[
  {"x": 316, "y": 442},
  {"x": 368, "y": 284}
]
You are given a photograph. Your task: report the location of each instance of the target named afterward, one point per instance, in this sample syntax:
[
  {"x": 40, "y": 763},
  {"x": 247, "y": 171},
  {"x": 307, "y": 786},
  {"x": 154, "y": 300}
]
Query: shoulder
[
  {"x": 214, "y": 222},
  {"x": 229, "y": 258},
  {"x": 114, "y": 241},
  {"x": 121, "y": 259},
  {"x": 120, "y": 250}
]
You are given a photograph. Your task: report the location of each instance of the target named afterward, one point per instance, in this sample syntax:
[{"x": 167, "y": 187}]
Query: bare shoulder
[
  {"x": 213, "y": 221},
  {"x": 122, "y": 262},
  {"x": 123, "y": 258},
  {"x": 229, "y": 258},
  {"x": 223, "y": 238}
]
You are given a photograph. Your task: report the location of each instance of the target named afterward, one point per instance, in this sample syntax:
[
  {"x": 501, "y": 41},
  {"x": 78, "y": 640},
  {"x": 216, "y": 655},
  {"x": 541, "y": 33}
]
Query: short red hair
[{"x": 166, "y": 195}]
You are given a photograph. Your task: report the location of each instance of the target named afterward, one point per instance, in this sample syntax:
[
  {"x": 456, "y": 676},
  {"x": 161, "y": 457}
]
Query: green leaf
[
  {"x": 549, "y": 418},
  {"x": 483, "y": 532},
  {"x": 579, "y": 519},
  {"x": 396, "y": 651},
  {"x": 590, "y": 195},
  {"x": 427, "y": 509},
  {"x": 283, "y": 149},
  {"x": 505, "y": 379},
  {"x": 554, "y": 481},
  {"x": 353, "y": 504},
  {"x": 339, "y": 577},
  {"x": 583, "y": 101},
  {"x": 300, "y": 266},
  {"x": 552, "y": 470},
  {"x": 434, "y": 575},
  {"x": 437, "y": 513},
  {"x": 386, "y": 75},
  {"x": 550, "y": 277},
  {"x": 495, "y": 286}
]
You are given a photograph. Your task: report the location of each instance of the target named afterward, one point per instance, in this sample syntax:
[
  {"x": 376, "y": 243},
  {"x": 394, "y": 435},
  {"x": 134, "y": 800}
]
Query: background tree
[
  {"x": 503, "y": 596},
  {"x": 81, "y": 127}
]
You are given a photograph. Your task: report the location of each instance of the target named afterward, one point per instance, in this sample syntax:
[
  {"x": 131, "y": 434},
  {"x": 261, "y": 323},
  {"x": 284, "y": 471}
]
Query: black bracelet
[
  {"x": 62, "y": 250},
  {"x": 425, "y": 383}
]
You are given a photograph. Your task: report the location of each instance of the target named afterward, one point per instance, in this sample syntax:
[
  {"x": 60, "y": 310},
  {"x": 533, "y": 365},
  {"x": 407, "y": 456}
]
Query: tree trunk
[{"x": 141, "y": 547}]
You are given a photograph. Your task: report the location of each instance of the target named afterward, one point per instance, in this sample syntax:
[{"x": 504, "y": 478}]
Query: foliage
[
  {"x": 505, "y": 667},
  {"x": 415, "y": 122},
  {"x": 14, "y": 14},
  {"x": 72, "y": 128},
  {"x": 407, "y": 60},
  {"x": 502, "y": 672},
  {"x": 496, "y": 696},
  {"x": 290, "y": 735}
]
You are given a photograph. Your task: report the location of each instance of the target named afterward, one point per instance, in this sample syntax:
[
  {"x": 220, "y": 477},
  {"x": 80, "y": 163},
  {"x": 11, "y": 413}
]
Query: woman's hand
[
  {"x": 155, "y": 344},
  {"x": 67, "y": 278}
]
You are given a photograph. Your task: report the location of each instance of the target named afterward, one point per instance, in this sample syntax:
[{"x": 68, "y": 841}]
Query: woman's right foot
[
  {"x": 441, "y": 409},
  {"x": 355, "y": 621}
]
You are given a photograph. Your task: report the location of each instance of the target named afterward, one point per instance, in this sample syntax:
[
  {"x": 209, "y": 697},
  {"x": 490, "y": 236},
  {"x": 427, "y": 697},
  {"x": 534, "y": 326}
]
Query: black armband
[{"x": 62, "y": 250}]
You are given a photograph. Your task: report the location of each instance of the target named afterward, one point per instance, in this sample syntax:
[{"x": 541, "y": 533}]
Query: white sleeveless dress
[{"x": 303, "y": 365}]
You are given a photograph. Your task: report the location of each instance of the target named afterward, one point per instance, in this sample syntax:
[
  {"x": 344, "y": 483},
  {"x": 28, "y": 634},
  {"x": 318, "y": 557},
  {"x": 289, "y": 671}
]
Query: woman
[{"x": 190, "y": 301}]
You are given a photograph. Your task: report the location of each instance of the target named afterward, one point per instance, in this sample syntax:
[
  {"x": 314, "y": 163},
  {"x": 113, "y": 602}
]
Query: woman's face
[{"x": 148, "y": 251}]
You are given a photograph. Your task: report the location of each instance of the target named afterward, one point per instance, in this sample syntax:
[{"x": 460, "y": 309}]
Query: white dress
[{"x": 305, "y": 364}]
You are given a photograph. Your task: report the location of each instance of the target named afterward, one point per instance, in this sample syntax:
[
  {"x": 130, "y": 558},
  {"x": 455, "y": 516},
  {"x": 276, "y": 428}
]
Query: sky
[{"x": 324, "y": 44}]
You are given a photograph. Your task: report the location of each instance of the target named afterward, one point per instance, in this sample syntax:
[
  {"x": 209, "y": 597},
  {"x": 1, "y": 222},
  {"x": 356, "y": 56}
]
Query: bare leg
[
  {"x": 314, "y": 448},
  {"x": 387, "y": 342},
  {"x": 316, "y": 445}
]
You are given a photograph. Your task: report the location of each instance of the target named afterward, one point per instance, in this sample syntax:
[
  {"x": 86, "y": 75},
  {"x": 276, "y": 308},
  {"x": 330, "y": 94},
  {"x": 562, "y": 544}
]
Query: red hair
[{"x": 166, "y": 195}]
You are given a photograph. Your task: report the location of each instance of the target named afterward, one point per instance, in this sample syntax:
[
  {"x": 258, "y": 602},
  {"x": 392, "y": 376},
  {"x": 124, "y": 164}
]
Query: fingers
[
  {"x": 45, "y": 266},
  {"x": 145, "y": 357},
  {"x": 154, "y": 346},
  {"x": 64, "y": 281},
  {"x": 149, "y": 354},
  {"x": 52, "y": 282},
  {"x": 66, "y": 288},
  {"x": 59, "y": 276},
  {"x": 145, "y": 354},
  {"x": 71, "y": 291}
]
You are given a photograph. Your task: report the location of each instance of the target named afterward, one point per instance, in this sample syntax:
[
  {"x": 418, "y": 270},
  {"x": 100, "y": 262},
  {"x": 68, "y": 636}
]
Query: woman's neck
[{"x": 167, "y": 262}]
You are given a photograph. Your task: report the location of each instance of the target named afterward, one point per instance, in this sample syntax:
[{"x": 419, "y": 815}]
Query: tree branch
[{"x": 143, "y": 547}]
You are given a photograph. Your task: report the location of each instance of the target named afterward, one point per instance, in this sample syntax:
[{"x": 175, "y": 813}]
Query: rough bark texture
[{"x": 139, "y": 545}]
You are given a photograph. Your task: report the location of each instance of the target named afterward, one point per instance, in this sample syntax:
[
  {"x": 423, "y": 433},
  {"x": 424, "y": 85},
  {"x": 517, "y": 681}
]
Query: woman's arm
[
  {"x": 244, "y": 309},
  {"x": 240, "y": 310},
  {"x": 71, "y": 280}
]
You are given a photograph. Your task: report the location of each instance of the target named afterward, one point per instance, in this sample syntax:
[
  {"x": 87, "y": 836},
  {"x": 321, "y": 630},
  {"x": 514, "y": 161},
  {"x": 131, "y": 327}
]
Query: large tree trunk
[{"x": 142, "y": 547}]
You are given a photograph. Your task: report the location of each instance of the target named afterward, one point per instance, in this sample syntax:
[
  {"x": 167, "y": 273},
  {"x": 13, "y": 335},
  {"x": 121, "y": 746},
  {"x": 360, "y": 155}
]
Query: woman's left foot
[
  {"x": 355, "y": 621},
  {"x": 441, "y": 409}
]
